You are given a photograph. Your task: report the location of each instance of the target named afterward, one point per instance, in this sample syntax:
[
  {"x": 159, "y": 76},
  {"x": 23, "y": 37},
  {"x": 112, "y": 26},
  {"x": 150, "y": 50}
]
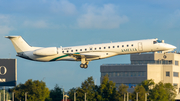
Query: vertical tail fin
[{"x": 19, "y": 44}]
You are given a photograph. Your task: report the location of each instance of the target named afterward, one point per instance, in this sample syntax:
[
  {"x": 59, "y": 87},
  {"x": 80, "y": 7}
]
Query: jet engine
[{"x": 46, "y": 51}]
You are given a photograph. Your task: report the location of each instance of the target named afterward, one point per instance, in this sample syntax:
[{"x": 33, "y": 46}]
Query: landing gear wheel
[{"x": 83, "y": 66}]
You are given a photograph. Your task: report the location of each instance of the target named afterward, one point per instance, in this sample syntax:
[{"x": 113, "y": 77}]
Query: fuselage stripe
[{"x": 59, "y": 57}]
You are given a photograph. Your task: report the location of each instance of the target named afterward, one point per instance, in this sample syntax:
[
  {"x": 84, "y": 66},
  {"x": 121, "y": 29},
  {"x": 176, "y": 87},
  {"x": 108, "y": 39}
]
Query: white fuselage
[{"x": 96, "y": 51}]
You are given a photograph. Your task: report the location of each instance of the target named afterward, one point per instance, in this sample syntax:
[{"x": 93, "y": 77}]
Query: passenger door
[{"x": 140, "y": 46}]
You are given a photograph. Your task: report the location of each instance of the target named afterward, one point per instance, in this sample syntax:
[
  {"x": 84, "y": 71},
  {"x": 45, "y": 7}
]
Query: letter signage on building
[{"x": 8, "y": 72}]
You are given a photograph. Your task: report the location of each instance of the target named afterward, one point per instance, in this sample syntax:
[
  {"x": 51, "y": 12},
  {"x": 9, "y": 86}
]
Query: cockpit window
[
  {"x": 154, "y": 42},
  {"x": 158, "y": 41}
]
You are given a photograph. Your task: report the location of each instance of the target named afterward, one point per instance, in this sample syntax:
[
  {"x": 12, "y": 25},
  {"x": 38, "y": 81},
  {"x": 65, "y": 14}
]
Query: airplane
[{"x": 87, "y": 53}]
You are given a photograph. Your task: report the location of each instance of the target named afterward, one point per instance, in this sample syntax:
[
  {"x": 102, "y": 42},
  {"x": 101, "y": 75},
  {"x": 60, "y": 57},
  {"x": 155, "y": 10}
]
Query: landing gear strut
[{"x": 84, "y": 63}]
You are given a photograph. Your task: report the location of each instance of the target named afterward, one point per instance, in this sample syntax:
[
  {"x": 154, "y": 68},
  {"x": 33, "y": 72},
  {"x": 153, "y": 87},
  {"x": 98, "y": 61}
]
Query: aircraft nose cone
[
  {"x": 172, "y": 47},
  {"x": 169, "y": 47}
]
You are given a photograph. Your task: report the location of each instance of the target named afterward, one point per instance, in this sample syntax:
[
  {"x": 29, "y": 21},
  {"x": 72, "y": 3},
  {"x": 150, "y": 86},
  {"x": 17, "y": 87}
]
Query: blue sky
[{"x": 48, "y": 23}]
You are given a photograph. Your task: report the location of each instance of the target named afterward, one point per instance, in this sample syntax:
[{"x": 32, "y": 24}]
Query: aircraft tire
[
  {"x": 85, "y": 66},
  {"x": 82, "y": 65}
]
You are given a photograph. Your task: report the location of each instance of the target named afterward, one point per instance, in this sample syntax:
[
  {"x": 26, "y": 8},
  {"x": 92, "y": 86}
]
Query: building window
[
  {"x": 76, "y": 50},
  {"x": 168, "y": 74},
  {"x": 94, "y": 48},
  {"x": 175, "y": 74},
  {"x": 108, "y": 46},
  {"x": 67, "y": 51},
  {"x": 99, "y": 47},
  {"x": 126, "y": 74},
  {"x": 90, "y": 48},
  {"x": 122, "y": 45},
  {"x": 104, "y": 47},
  {"x": 175, "y": 84},
  {"x": 113, "y": 46},
  {"x": 127, "y": 45},
  {"x": 80, "y": 49},
  {"x": 118, "y": 46},
  {"x": 85, "y": 49},
  {"x": 177, "y": 63},
  {"x": 71, "y": 50},
  {"x": 132, "y": 45},
  {"x": 62, "y": 51}
]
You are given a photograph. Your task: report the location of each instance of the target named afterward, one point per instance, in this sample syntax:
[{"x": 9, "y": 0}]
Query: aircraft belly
[{"x": 52, "y": 58}]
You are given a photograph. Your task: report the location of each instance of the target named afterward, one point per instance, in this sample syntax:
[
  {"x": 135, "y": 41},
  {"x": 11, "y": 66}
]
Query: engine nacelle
[{"x": 46, "y": 51}]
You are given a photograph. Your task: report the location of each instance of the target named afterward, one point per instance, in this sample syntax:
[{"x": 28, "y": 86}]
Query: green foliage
[
  {"x": 107, "y": 90},
  {"x": 37, "y": 91},
  {"x": 87, "y": 87},
  {"x": 160, "y": 91},
  {"x": 122, "y": 89},
  {"x": 56, "y": 94},
  {"x": 141, "y": 93},
  {"x": 148, "y": 84},
  {"x": 2, "y": 94},
  {"x": 171, "y": 90},
  {"x": 71, "y": 93}
]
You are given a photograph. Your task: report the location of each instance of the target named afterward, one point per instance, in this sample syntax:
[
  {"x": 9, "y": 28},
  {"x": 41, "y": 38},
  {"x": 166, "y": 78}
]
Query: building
[{"x": 156, "y": 66}]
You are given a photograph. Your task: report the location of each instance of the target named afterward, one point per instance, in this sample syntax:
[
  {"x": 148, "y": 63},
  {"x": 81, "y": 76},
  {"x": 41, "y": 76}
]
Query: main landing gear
[
  {"x": 83, "y": 66},
  {"x": 84, "y": 63}
]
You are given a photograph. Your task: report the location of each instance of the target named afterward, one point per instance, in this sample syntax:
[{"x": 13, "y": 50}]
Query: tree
[
  {"x": 122, "y": 89},
  {"x": 87, "y": 87},
  {"x": 2, "y": 94},
  {"x": 159, "y": 93},
  {"x": 71, "y": 93},
  {"x": 37, "y": 91},
  {"x": 141, "y": 93},
  {"x": 148, "y": 84},
  {"x": 107, "y": 90},
  {"x": 171, "y": 90},
  {"x": 56, "y": 94}
]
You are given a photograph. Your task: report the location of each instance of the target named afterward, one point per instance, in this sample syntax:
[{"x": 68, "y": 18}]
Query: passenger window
[
  {"x": 122, "y": 45},
  {"x": 71, "y": 50},
  {"x": 117, "y": 46}
]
